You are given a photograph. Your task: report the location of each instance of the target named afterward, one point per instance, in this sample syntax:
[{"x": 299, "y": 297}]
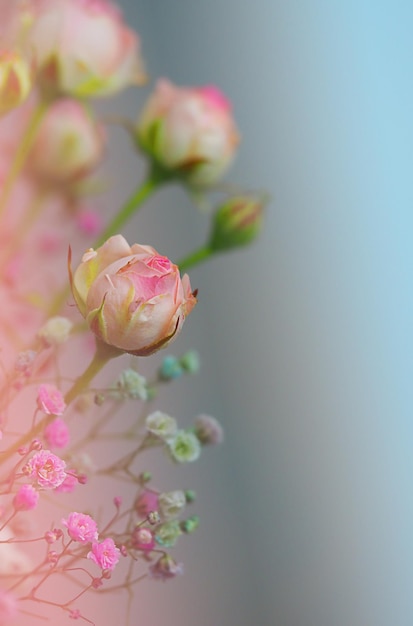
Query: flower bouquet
[{"x": 76, "y": 522}]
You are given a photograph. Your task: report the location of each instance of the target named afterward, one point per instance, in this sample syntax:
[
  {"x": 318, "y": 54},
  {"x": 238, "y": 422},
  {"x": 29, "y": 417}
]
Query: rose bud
[
  {"x": 15, "y": 80},
  {"x": 69, "y": 143},
  {"x": 237, "y": 222},
  {"x": 83, "y": 48},
  {"x": 131, "y": 297},
  {"x": 189, "y": 132}
]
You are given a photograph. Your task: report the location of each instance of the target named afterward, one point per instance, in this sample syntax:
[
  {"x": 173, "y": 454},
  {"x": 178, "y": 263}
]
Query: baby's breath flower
[
  {"x": 47, "y": 469},
  {"x": 55, "y": 331},
  {"x": 184, "y": 447},
  {"x": 167, "y": 534},
  {"x": 162, "y": 425},
  {"x": 171, "y": 503},
  {"x": 81, "y": 527},
  {"x": 208, "y": 430},
  {"x": 105, "y": 554},
  {"x": 132, "y": 385},
  {"x": 165, "y": 568}
]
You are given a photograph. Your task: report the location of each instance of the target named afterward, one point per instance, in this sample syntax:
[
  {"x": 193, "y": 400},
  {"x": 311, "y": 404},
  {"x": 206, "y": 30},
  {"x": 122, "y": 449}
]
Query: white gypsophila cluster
[
  {"x": 161, "y": 425},
  {"x": 132, "y": 384},
  {"x": 55, "y": 331},
  {"x": 171, "y": 503}
]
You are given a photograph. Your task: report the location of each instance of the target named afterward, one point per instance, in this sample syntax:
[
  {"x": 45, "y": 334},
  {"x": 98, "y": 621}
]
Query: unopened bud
[
  {"x": 15, "y": 80},
  {"x": 237, "y": 222},
  {"x": 189, "y": 525}
]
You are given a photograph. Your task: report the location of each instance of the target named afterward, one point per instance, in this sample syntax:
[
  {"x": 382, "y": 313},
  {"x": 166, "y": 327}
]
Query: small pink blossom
[
  {"x": 147, "y": 502},
  {"x": 81, "y": 527},
  {"x": 26, "y": 498},
  {"x": 46, "y": 468},
  {"x": 50, "y": 400},
  {"x": 105, "y": 554},
  {"x": 143, "y": 539},
  {"x": 68, "y": 485},
  {"x": 57, "y": 434}
]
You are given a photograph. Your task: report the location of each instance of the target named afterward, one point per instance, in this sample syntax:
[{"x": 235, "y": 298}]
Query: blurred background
[{"x": 306, "y": 337}]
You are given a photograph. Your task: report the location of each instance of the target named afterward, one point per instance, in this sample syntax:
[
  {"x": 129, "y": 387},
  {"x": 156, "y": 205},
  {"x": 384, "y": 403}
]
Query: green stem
[
  {"x": 150, "y": 184},
  {"x": 102, "y": 355},
  {"x": 22, "y": 152},
  {"x": 199, "y": 256}
]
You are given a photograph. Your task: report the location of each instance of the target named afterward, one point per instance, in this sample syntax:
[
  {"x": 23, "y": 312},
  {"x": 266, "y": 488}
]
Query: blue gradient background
[{"x": 307, "y": 515}]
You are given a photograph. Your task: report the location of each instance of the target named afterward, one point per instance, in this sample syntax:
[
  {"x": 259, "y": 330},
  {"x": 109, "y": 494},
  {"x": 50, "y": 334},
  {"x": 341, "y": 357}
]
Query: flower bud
[
  {"x": 188, "y": 132},
  {"x": 237, "y": 222},
  {"x": 68, "y": 145},
  {"x": 170, "y": 368},
  {"x": 83, "y": 48},
  {"x": 190, "y": 362},
  {"x": 165, "y": 568},
  {"x": 189, "y": 525},
  {"x": 208, "y": 430},
  {"x": 132, "y": 298},
  {"x": 15, "y": 80}
]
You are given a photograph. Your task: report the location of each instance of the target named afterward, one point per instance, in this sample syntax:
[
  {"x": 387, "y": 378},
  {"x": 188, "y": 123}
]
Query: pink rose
[
  {"x": 189, "y": 132},
  {"x": 69, "y": 143},
  {"x": 131, "y": 297},
  {"x": 83, "y": 47}
]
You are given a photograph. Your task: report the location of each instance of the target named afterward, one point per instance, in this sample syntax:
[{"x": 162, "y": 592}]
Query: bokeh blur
[{"x": 306, "y": 337}]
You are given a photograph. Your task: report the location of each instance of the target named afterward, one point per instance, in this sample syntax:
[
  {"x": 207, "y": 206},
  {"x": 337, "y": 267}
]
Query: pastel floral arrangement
[{"x": 56, "y": 57}]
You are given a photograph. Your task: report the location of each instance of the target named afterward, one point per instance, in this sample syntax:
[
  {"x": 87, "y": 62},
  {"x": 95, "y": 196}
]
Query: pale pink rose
[
  {"x": 189, "y": 131},
  {"x": 50, "y": 400},
  {"x": 131, "y": 297},
  {"x": 47, "y": 469},
  {"x": 68, "y": 145},
  {"x": 105, "y": 554},
  {"x": 81, "y": 527},
  {"x": 84, "y": 48},
  {"x": 26, "y": 498},
  {"x": 57, "y": 434}
]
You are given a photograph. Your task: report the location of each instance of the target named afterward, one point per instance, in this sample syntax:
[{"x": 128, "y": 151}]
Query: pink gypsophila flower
[
  {"x": 26, "y": 498},
  {"x": 146, "y": 502},
  {"x": 46, "y": 468},
  {"x": 81, "y": 527},
  {"x": 68, "y": 485},
  {"x": 57, "y": 434},
  {"x": 50, "y": 400},
  {"x": 105, "y": 554}
]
